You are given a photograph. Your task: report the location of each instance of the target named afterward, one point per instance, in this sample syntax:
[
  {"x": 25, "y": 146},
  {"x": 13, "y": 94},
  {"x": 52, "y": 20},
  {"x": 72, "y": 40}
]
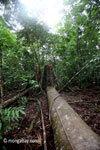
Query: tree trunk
[
  {"x": 37, "y": 73},
  {"x": 9, "y": 101},
  {"x": 47, "y": 76},
  {"x": 70, "y": 131}
]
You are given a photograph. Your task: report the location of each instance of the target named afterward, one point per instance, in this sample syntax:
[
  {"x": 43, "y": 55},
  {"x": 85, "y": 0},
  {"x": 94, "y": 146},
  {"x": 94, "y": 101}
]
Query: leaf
[
  {"x": 13, "y": 114},
  {"x": 22, "y": 112},
  {"x": 36, "y": 86},
  {"x": 8, "y": 112},
  {"x": 17, "y": 114},
  {"x": 15, "y": 124},
  {"x": 21, "y": 108},
  {"x": 9, "y": 128},
  {"x": 17, "y": 119},
  {"x": 32, "y": 82},
  {"x": 1, "y": 137}
]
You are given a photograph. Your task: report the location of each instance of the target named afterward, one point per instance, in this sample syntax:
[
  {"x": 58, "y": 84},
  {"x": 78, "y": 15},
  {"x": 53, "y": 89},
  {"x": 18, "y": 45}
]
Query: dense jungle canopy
[{"x": 26, "y": 41}]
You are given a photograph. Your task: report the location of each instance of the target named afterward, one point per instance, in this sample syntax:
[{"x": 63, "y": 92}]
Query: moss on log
[{"x": 70, "y": 131}]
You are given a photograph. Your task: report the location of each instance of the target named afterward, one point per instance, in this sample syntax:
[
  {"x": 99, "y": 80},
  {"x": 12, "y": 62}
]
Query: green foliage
[
  {"x": 32, "y": 31},
  {"x": 9, "y": 118},
  {"x": 23, "y": 101},
  {"x": 18, "y": 58},
  {"x": 34, "y": 83},
  {"x": 76, "y": 42}
]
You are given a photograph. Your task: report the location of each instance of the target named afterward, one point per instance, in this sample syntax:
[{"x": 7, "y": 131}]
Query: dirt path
[{"x": 86, "y": 103}]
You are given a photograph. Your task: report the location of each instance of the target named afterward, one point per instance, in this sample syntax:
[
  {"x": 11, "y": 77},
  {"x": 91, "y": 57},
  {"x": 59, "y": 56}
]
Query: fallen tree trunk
[
  {"x": 11, "y": 100},
  {"x": 70, "y": 131}
]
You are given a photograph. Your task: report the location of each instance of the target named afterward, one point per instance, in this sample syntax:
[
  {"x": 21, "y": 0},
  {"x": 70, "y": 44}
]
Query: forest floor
[
  {"x": 86, "y": 102},
  {"x": 29, "y": 135}
]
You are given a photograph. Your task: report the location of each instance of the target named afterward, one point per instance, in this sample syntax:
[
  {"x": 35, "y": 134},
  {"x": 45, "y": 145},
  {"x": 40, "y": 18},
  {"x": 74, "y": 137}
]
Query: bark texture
[
  {"x": 70, "y": 131},
  {"x": 47, "y": 76}
]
